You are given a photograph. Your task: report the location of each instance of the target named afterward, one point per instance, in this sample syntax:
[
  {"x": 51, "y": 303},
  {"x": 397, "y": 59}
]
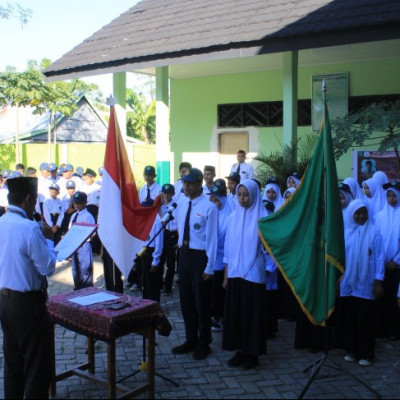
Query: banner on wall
[{"x": 366, "y": 163}]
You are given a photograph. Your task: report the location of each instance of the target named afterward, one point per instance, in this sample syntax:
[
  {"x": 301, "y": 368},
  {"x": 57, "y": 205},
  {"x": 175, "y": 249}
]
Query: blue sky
[{"x": 55, "y": 28}]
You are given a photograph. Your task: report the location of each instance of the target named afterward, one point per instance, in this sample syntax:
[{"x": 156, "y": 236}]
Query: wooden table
[{"x": 99, "y": 322}]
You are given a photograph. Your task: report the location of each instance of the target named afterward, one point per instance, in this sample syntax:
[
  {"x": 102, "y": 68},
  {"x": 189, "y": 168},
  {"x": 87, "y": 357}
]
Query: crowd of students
[{"x": 227, "y": 281}]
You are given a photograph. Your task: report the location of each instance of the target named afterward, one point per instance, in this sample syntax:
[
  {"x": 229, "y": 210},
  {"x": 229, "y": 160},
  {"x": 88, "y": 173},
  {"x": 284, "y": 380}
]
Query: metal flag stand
[
  {"x": 320, "y": 362},
  {"x": 143, "y": 366}
]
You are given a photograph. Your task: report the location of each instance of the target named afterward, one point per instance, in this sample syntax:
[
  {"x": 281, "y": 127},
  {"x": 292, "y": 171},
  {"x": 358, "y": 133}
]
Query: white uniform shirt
[
  {"x": 206, "y": 189},
  {"x": 3, "y": 196},
  {"x": 62, "y": 182},
  {"x": 171, "y": 225},
  {"x": 93, "y": 193},
  {"x": 155, "y": 190},
  {"x": 43, "y": 186},
  {"x": 246, "y": 170},
  {"x": 203, "y": 227},
  {"x": 25, "y": 257},
  {"x": 158, "y": 242},
  {"x": 53, "y": 206}
]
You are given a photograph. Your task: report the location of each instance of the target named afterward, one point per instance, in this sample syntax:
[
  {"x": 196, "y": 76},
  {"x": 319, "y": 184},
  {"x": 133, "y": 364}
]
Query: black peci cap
[{"x": 23, "y": 185}]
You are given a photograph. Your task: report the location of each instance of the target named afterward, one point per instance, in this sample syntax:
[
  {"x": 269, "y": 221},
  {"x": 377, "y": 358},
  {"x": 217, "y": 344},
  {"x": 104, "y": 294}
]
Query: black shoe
[
  {"x": 167, "y": 292},
  {"x": 236, "y": 360},
  {"x": 184, "y": 348},
  {"x": 249, "y": 362},
  {"x": 201, "y": 351}
]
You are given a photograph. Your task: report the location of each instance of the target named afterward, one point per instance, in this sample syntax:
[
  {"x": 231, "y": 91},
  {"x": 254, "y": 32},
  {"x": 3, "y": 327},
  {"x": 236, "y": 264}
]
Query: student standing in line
[
  {"x": 374, "y": 196},
  {"x": 233, "y": 181},
  {"x": 242, "y": 168},
  {"x": 197, "y": 220},
  {"x": 209, "y": 176},
  {"x": 53, "y": 212},
  {"x": 178, "y": 185},
  {"x": 151, "y": 189},
  {"x": 361, "y": 283},
  {"x": 82, "y": 259},
  {"x": 387, "y": 222},
  {"x": 245, "y": 328}
]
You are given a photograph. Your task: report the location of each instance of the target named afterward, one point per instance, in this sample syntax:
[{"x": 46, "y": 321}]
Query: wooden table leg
[
  {"x": 111, "y": 380},
  {"x": 91, "y": 358},
  {"x": 53, "y": 387},
  {"x": 151, "y": 341}
]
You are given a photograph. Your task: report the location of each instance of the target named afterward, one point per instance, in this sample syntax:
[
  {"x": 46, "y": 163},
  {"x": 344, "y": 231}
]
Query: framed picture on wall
[{"x": 337, "y": 97}]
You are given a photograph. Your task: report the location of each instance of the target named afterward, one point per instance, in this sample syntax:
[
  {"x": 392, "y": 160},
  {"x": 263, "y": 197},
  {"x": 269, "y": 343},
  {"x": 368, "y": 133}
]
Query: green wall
[{"x": 194, "y": 101}]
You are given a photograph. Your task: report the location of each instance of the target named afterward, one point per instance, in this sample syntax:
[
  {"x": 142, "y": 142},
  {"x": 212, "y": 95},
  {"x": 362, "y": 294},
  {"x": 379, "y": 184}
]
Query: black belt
[{"x": 17, "y": 294}]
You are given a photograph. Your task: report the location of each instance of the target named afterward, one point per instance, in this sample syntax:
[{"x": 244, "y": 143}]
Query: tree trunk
[
  {"x": 397, "y": 157},
  {"x": 49, "y": 137},
  {"x": 17, "y": 137}
]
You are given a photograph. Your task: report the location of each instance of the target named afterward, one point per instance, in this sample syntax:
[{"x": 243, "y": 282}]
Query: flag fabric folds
[
  {"x": 296, "y": 234},
  {"x": 124, "y": 224}
]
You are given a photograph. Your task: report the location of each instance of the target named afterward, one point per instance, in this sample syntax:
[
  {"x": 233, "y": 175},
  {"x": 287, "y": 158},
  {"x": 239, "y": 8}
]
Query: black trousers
[
  {"x": 218, "y": 294},
  {"x": 112, "y": 275},
  {"x": 26, "y": 343},
  {"x": 359, "y": 326},
  {"x": 169, "y": 257},
  {"x": 152, "y": 281},
  {"x": 195, "y": 295}
]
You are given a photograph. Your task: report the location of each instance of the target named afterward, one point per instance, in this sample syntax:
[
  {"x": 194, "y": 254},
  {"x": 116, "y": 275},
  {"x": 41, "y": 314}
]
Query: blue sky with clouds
[{"x": 55, "y": 28}]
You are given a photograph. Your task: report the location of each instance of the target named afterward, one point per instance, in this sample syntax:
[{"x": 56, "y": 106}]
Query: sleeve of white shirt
[
  {"x": 46, "y": 213},
  {"x": 42, "y": 254},
  {"x": 251, "y": 172},
  {"x": 226, "y": 244},
  {"x": 158, "y": 243},
  {"x": 379, "y": 258},
  {"x": 212, "y": 233}
]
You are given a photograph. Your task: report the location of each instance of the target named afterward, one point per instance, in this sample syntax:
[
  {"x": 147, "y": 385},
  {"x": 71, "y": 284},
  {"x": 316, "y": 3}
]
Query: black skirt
[{"x": 245, "y": 317}]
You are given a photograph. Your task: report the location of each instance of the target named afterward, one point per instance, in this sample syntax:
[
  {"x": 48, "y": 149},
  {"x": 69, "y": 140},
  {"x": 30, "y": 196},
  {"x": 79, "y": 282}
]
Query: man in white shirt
[
  {"x": 242, "y": 168},
  {"x": 67, "y": 173},
  {"x": 151, "y": 189},
  {"x": 197, "y": 222},
  {"x": 209, "y": 175}
]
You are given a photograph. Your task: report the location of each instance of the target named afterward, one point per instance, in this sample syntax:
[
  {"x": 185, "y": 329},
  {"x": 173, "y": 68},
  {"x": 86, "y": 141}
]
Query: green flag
[{"x": 308, "y": 230}]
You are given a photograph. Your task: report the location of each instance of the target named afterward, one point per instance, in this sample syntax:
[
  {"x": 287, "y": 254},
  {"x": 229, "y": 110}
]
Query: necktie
[
  {"x": 238, "y": 169},
  {"x": 75, "y": 218},
  {"x": 186, "y": 232},
  {"x": 148, "y": 194}
]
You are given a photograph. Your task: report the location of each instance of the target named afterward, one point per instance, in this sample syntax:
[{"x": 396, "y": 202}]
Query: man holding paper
[{"x": 25, "y": 261}]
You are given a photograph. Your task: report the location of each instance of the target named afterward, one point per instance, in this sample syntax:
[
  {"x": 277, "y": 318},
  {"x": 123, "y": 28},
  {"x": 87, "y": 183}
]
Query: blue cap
[
  {"x": 70, "y": 185},
  {"x": 218, "y": 190},
  {"x": 149, "y": 169},
  {"x": 147, "y": 202},
  {"x": 194, "y": 176},
  {"x": 54, "y": 186},
  {"x": 100, "y": 170},
  {"x": 79, "y": 171},
  {"x": 52, "y": 167},
  {"x": 68, "y": 167},
  {"x": 80, "y": 197},
  {"x": 168, "y": 188},
  {"x": 15, "y": 174},
  {"x": 44, "y": 166},
  {"x": 6, "y": 173}
]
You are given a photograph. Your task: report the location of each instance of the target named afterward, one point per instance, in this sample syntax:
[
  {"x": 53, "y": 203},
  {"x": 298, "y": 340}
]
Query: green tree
[
  {"x": 15, "y": 10},
  {"x": 290, "y": 158},
  {"x": 375, "y": 125},
  {"x": 141, "y": 117},
  {"x": 21, "y": 89}
]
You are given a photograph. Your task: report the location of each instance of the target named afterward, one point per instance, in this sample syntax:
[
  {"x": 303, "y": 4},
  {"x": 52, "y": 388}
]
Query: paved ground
[{"x": 279, "y": 376}]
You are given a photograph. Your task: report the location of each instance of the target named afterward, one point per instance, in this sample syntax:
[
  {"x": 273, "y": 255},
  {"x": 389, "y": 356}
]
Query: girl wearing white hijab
[
  {"x": 387, "y": 222},
  {"x": 361, "y": 283},
  {"x": 288, "y": 192},
  {"x": 354, "y": 187},
  {"x": 293, "y": 180},
  {"x": 346, "y": 197},
  {"x": 272, "y": 194},
  {"x": 375, "y": 197},
  {"x": 245, "y": 307},
  {"x": 381, "y": 177}
]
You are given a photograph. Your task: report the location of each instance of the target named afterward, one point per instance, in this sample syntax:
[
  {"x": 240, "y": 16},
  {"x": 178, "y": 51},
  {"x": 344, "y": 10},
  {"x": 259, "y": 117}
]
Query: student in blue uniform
[
  {"x": 151, "y": 189},
  {"x": 53, "y": 212},
  {"x": 245, "y": 328},
  {"x": 209, "y": 176},
  {"x": 82, "y": 259},
  {"x": 361, "y": 283},
  {"x": 170, "y": 238},
  {"x": 25, "y": 262},
  {"x": 197, "y": 220}
]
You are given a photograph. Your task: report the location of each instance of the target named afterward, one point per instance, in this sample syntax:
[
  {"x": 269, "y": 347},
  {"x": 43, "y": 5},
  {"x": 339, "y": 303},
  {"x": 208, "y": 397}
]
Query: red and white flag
[{"x": 124, "y": 224}]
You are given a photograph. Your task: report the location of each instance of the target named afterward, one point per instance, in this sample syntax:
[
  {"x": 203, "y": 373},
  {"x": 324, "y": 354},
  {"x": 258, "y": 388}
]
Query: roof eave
[{"x": 269, "y": 44}]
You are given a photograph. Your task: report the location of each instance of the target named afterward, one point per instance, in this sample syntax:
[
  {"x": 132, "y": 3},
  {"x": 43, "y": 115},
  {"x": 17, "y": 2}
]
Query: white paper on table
[{"x": 93, "y": 298}]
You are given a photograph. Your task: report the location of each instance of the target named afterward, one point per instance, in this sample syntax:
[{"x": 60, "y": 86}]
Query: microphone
[{"x": 168, "y": 215}]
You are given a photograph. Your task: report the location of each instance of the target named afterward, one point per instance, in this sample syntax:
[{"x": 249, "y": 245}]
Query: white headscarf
[
  {"x": 279, "y": 199},
  {"x": 387, "y": 222},
  {"x": 358, "y": 241},
  {"x": 242, "y": 235},
  {"x": 291, "y": 190},
  {"x": 297, "y": 180},
  {"x": 349, "y": 199},
  {"x": 377, "y": 200},
  {"x": 354, "y": 187},
  {"x": 381, "y": 177}
]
